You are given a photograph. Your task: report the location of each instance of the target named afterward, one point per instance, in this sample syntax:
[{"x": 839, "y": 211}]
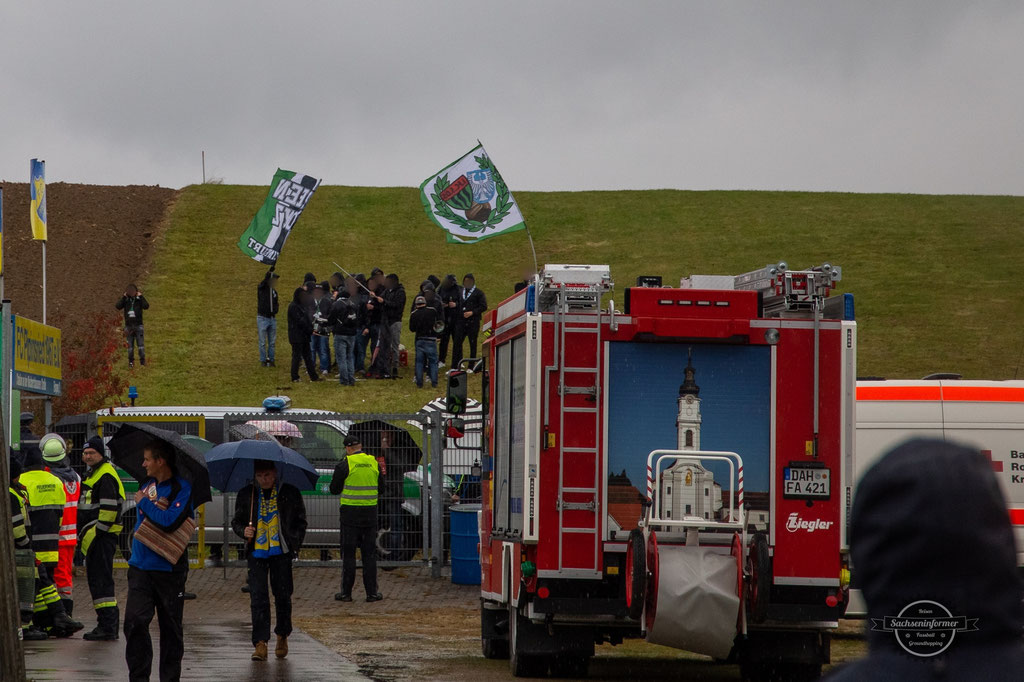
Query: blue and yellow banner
[
  {"x": 37, "y": 357},
  {"x": 37, "y": 192}
]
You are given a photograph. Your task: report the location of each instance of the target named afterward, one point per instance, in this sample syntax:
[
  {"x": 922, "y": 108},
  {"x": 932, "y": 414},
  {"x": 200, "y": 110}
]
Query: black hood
[
  {"x": 297, "y": 296},
  {"x": 929, "y": 522}
]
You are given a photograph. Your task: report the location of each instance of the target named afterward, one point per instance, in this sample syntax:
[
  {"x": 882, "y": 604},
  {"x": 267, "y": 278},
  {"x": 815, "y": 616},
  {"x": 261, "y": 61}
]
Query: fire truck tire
[
  {"x": 495, "y": 649},
  {"x": 571, "y": 666},
  {"x": 759, "y": 566},
  {"x": 519, "y": 663},
  {"x": 492, "y": 625},
  {"x": 636, "y": 573}
]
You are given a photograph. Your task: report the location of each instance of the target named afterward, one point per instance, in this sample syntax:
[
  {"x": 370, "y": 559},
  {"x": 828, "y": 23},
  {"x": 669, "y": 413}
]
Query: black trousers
[
  {"x": 162, "y": 591},
  {"x": 464, "y": 330},
  {"x": 279, "y": 570},
  {"x": 446, "y": 336},
  {"x": 99, "y": 567},
  {"x": 301, "y": 352},
  {"x": 365, "y": 538}
]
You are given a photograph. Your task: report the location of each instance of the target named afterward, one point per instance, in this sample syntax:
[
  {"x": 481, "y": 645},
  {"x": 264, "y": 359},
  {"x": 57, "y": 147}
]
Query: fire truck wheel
[
  {"x": 759, "y": 567},
  {"x": 494, "y": 648},
  {"x": 636, "y": 573},
  {"x": 492, "y": 622},
  {"x": 567, "y": 665},
  {"x": 519, "y": 663}
]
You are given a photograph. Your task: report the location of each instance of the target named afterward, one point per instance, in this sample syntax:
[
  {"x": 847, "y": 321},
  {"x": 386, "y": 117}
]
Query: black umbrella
[
  {"x": 405, "y": 454},
  {"x": 126, "y": 449}
]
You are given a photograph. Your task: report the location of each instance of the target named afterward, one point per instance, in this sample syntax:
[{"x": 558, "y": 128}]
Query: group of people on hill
[{"x": 364, "y": 316}]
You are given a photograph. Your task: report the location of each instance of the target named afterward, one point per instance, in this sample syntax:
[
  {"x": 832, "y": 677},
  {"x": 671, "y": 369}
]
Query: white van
[{"x": 988, "y": 415}]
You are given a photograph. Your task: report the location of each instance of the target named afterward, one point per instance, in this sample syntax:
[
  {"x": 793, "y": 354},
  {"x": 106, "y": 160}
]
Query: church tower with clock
[{"x": 688, "y": 418}]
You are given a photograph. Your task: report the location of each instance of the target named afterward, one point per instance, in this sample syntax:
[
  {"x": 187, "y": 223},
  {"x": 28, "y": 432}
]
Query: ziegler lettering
[{"x": 795, "y": 523}]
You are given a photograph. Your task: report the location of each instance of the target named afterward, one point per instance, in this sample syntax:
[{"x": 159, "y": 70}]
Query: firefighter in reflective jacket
[
  {"x": 45, "y": 495},
  {"x": 19, "y": 524},
  {"x": 357, "y": 477},
  {"x": 99, "y": 524},
  {"x": 55, "y": 454}
]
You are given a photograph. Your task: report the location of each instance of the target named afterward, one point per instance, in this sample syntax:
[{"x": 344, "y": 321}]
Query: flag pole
[
  {"x": 529, "y": 236},
  {"x": 353, "y": 277},
  {"x": 44, "y": 281}
]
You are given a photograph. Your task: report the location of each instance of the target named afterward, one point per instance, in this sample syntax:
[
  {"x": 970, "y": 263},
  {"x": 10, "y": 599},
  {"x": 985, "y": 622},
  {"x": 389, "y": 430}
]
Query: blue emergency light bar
[{"x": 848, "y": 311}]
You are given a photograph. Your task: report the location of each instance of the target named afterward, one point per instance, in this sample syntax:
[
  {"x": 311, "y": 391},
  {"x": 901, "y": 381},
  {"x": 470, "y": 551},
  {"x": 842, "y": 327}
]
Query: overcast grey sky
[{"x": 922, "y": 96}]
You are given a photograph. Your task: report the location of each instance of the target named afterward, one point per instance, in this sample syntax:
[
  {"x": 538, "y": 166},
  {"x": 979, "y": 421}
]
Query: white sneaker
[{"x": 440, "y": 365}]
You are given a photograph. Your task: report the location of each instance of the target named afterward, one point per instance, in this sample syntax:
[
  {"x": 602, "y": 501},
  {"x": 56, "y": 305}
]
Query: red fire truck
[{"x": 679, "y": 470}]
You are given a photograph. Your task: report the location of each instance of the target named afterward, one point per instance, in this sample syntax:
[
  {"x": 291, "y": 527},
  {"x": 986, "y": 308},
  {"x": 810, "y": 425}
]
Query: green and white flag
[
  {"x": 470, "y": 201},
  {"x": 289, "y": 193}
]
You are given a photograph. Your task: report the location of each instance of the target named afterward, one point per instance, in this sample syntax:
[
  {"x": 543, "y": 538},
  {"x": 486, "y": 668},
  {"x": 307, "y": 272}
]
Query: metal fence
[{"x": 413, "y": 510}]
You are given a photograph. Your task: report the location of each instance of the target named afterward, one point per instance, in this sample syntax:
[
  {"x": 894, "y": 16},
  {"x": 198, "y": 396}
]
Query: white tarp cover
[{"x": 697, "y": 601}]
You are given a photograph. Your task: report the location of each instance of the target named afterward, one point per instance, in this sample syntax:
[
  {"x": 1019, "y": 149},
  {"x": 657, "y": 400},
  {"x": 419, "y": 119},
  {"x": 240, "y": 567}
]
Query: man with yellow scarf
[{"x": 271, "y": 518}]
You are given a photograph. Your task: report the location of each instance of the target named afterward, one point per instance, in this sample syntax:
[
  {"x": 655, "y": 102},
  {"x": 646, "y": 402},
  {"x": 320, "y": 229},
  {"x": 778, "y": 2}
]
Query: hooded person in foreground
[{"x": 930, "y": 523}]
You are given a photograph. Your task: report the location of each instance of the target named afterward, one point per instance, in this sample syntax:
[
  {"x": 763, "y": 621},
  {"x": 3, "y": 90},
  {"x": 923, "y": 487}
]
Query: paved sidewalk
[{"x": 217, "y": 627}]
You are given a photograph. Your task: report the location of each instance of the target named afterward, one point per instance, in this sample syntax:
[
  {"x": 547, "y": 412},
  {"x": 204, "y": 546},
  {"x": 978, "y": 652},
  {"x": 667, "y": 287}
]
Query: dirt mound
[{"x": 100, "y": 239}]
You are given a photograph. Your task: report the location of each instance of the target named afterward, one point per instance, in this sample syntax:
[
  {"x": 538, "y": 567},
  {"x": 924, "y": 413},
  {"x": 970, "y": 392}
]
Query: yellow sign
[{"x": 37, "y": 357}]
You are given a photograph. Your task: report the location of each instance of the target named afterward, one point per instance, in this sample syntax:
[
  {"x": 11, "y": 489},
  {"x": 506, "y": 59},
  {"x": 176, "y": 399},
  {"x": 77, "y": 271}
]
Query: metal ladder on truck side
[{"x": 576, "y": 306}]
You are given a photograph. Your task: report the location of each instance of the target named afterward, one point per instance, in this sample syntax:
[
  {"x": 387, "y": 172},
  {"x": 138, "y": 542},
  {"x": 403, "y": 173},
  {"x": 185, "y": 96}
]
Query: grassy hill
[{"x": 936, "y": 278}]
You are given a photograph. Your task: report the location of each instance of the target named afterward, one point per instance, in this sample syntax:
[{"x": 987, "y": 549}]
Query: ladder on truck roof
[
  {"x": 783, "y": 291},
  {"x": 573, "y": 294}
]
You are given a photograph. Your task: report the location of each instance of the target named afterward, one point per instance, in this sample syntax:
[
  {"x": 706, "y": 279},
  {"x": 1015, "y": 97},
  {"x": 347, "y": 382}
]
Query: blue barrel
[{"x": 465, "y": 550}]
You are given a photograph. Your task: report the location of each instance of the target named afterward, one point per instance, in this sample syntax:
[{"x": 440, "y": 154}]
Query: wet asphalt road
[{"x": 214, "y": 651}]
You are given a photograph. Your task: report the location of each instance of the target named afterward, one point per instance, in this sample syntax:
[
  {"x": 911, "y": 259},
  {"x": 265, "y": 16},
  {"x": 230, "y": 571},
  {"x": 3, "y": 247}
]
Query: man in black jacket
[
  {"x": 133, "y": 303},
  {"x": 320, "y": 310},
  {"x": 421, "y": 323},
  {"x": 300, "y": 330},
  {"x": 448, "y": 294},
  {"x": 375, "y": 308},
  {"x": 360, "y": 298},
  {"x": 929, "y": 532},
  {"x": 344, "y": 321},
  {"x": 266, "y": 316},
  {"x": 273, "y": 526},
  {"x": 472, "y": 305},
  {"x": 394, "y": 309}
]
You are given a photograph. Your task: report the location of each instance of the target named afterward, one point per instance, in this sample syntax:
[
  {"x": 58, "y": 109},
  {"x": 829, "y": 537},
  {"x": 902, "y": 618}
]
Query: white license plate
[{"x": 801, "y": 482}]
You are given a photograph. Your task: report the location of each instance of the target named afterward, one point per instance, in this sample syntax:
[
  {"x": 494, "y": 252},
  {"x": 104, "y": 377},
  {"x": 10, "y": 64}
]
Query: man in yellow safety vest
[
  {"x": 99, "y": 524},
  {"x": 45, "y": 494},
  {"x": 357, "y": 478}
]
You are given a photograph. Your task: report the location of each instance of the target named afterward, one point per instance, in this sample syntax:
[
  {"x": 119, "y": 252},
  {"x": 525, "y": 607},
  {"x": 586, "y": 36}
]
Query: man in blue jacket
[{"x": 156, "y": 578}]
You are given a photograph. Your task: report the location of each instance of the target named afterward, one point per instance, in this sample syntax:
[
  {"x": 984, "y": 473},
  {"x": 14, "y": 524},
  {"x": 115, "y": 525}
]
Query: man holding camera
[{"x": 132, "y": 302}]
